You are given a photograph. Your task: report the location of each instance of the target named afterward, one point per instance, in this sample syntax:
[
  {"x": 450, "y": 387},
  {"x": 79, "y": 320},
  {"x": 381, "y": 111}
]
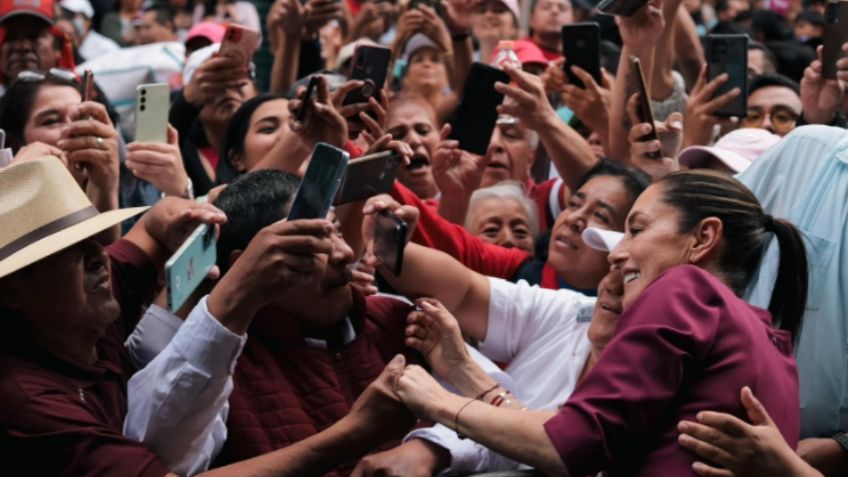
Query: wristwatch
[{"x": 841, "y": 438}]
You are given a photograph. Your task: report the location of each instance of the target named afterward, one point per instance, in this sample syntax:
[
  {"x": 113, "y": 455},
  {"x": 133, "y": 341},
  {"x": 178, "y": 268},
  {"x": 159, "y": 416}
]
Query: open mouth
[
  {"x": 566, "y": 241},
  {"x": 610, "y": 308},
  {"x": 418, "y": 161},
  {"x": 498, "y": 165},
  {"x": 630, "y": 276}
]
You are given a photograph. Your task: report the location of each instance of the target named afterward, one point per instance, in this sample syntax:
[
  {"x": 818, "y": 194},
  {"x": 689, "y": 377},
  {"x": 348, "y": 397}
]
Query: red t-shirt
[
  {"x": 548, "y": 54},
  {"x": 687, "y": 344},
  {"x": 434, "y": 231},
  {"x": 64, "y": 418}
]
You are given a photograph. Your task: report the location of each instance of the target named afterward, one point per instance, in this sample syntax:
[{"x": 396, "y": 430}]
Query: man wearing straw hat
[{"x": 67, "y": 304}]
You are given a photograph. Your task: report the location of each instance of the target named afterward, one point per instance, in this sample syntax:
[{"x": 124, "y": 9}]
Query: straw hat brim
[{"x": 65, "y": 238}]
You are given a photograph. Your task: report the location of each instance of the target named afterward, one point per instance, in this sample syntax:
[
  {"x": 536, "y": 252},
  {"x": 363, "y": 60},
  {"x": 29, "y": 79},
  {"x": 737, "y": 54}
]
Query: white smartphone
[{"x": 152, "y": 102}]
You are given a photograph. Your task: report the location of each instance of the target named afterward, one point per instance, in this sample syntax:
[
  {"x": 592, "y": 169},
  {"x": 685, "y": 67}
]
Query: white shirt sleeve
[
  {"x": 178, "y": 402},
  {"x": 151, "y": 335},
  {"x": 521, "y": 314}
]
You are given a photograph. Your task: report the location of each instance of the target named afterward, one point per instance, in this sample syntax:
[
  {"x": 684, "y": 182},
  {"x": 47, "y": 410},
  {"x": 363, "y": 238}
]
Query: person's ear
[
  {"x": 234, "y": 255},
  {"x": 237, "y": 161},
  {"x": 706, "y": 238}
]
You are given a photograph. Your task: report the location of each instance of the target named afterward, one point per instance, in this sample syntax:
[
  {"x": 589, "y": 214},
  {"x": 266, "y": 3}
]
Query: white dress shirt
[
  {"x": 541, "y": 333},
  {"x": 178, "y": 401}
]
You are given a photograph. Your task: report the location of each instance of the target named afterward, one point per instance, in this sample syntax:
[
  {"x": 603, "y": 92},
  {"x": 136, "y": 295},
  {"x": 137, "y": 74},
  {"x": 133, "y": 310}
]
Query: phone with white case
[{"x": 152, "y": 103}]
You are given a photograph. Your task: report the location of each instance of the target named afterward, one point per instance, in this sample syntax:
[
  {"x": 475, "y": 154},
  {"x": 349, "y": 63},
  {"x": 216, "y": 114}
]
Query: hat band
[{"x": 46, "y": 230}]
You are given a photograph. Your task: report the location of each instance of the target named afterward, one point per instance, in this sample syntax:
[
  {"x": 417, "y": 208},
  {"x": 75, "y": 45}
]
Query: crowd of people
[{"x": 592, "y": 295}]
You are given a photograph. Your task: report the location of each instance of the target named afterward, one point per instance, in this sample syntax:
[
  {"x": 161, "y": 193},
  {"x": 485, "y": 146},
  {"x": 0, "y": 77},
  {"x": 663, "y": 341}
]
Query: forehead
[
  {"x": 650, "y": 203},
  {"x": 55, "y": 96},
  {"x": 275, "y": 107},
  {"x": 550, "y": 3},
  {"x": 410, "y": 112},
  {"x": 25, "y": 25},
  {"x": 775, "y": 95},
  {"x": 500, "y": 207}
]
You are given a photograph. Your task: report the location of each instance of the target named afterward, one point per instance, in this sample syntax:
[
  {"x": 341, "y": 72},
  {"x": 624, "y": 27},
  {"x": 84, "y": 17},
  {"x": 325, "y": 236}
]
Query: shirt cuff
[
  {"x": 207, "y": 344},
  {"x": 465, "y": 453}
]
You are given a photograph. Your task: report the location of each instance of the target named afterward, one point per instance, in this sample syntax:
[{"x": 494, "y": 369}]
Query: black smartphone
[
  {"x": 729, "y": 54},
  {"x": 320, "y": 184},
  {"x": 306, "y": 103},
  {"x": 474, "y": 120},
  {"x": 368, "y": 176},
  {"x": 390, "y": 240},
  {"x": 370, "y": 64},
  {"x": 645, "y": 112},
  {"x": 834, "y": 36},
  {"x": 622, "y": 8},
  {"x": 87, "y": 85},
  {"x": 581, "y": 46},
  {"x": 434, "y": 4}
]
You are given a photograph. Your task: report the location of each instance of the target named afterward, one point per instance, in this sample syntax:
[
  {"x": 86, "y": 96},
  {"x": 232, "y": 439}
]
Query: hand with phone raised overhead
[
  {"x": 423, "y": 19},
  {"x": 216, "y": 74},
  {"x": 160, "y": 164},
  {"x": 592, "y": 103},
  {"x": 700, "y": 118},
  {"x": 529, "y": 99},
  {"x": 642, "y": 31},
  {"x": 317, "y": 13},
  {"x": 323, "y": 122},
  {"x": 458, "y": 15},
  {"x": 374, "y": 206},
  {"x": 457, "y": 174},
  {"x": 821, "y": 98},
  {"x": 90, "y": 143},
  {"x": 171, "y": 220},
  {"x": 643, "y": 150}
]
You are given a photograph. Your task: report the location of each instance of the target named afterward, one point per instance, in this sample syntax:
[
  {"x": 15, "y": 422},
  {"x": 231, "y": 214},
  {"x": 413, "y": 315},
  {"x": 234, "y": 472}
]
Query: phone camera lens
[
  {"x": 142, "y": 107},
  {"x": 581, "y": 43},
  {"x": 143, "y": 92},
  {"x": 143, "y": 100}
]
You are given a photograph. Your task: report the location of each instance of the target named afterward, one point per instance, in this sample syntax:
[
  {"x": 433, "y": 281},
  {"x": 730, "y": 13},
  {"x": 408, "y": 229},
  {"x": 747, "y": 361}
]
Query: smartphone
[
  {"x": 189, "y": 265},
  {"x": 834, "y": 36},
  {"x": 645, "y": 112},
  {"x": 729, "y": 54},
  {"x": 320, "y": 184},
  {"x": 368, "y": 176},
  {"x": 240, "y": 43},
  {"x": 87, "y": 85},
  {"x": 581, "y": 46},
  {"x": 370, "y": 64},
  {"x": 306, "y": 103},
  {"x": 152, "y": 102},
  {"x": 390, "y": 240},
  {"x": 434, "y": 4},
  {"x": 6, "y": 155},
  {"x": 475, "y": 117},
  {"x": 621, "y": 8}
]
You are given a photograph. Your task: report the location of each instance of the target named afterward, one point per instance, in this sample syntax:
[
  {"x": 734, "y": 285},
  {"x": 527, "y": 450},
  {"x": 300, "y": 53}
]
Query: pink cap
[
  {"x": 526, "y": 51},
  {"x": 210, "y": 30},
  {"x": 737, "y": 149},
  {"x": 512, "y": 6}
]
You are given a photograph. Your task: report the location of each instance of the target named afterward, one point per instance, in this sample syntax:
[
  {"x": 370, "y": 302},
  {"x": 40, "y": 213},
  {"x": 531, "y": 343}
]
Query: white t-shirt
[
  {"x": 95, "y": 45},
  {"x": 541, "y": 333}
]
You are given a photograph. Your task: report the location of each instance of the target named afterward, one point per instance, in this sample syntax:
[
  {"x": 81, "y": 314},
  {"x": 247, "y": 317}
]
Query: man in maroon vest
[{"x": 312, "y": 352}]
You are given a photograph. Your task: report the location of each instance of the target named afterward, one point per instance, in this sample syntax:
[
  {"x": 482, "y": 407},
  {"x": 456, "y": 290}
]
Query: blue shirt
[{"x": 804, "y": 179}]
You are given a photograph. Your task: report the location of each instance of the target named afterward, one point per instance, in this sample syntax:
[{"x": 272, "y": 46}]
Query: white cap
[
  {"x": 196, "y": 58},
  {"x": 601, "y": 240},
  {"x": 78, "y": 6}
]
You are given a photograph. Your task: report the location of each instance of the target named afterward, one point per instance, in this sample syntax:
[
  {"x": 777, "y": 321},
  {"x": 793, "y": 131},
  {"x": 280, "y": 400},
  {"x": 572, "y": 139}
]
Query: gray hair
[{"x": 509, "y": 190}]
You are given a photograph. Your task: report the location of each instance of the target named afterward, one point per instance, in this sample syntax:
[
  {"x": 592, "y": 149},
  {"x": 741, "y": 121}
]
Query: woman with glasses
[{"x": 44, "y": 114}]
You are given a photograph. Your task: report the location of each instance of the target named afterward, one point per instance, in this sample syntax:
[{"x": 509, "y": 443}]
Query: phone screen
[
  {"x": 189, "y": 265},
  {"x": 319, "y": 186},
  {"x": 475, "y": 118},
  {"x": 390, "y": 240}
]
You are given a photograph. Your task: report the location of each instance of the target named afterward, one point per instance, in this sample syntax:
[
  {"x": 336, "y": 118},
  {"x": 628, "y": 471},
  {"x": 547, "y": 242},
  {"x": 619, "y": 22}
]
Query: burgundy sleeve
[
  {"x": 54, "y": 434},
  {"x": 134, "y": 281},
  {"x": 434, "y": 231},
  {"x": 668, "y": 328}
]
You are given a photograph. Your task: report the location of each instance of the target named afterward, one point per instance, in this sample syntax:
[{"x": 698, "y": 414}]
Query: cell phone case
[
  {"x": 729, "y": 54},
  {"x": 240, "y": 43},
  {"x": 371, "y": 65},
  {"x": 368, "y": 176},
  {"x": 390, "y": 240},
  {"x": 581, "y": 43},
  {"x": 152, "y": 102},
  {"x": 835, "y": 34},
  {"x": 645, "y": 111},
  {"x": 622, "y": 8},
  {"x": 475, "y": 117},
  {"x": 320, "y": 184},
  {"x": 306, "y": 102},
  {"x": 189, "y": 265}
]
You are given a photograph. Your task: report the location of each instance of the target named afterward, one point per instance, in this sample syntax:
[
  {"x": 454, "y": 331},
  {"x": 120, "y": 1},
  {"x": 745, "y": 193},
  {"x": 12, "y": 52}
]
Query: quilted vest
[{"x": 286, "y": 390}]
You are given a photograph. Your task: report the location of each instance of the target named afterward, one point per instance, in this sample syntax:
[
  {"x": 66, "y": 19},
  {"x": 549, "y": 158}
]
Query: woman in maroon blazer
[{"x": 685, "y": 343}]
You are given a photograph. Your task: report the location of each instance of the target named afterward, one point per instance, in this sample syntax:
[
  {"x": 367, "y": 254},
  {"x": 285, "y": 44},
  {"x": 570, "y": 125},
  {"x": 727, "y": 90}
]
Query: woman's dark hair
[
  {"x": 246, "y": 203},
  {"x": 701, "y": 194},
  {"x": 634, "y": 180},
  {"x": 16, "y": 106},
  {"x": 226, "y": 172}
]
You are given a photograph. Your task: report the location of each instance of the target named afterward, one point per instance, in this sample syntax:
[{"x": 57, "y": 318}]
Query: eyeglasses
[
  {"x": 31, "y": 76},
  {"x": 782, "y": 120}
]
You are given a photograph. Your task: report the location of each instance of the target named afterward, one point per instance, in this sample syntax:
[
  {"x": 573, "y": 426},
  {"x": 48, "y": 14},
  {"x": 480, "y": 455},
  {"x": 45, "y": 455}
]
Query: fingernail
[
  {"x": 62, "y": 143},
  {"x": 682, "y": 426},
  {"x": 646, "y": 128},
  {"x": 677, "y": 125},
  {"x": 700, "y": 416}
]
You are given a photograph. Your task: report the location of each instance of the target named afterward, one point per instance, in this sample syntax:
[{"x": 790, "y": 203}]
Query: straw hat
[{"x": 43, "y": 210}]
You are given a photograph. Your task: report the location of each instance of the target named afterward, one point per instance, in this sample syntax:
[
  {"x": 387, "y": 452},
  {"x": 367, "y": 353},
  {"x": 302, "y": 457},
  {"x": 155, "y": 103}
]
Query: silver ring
[{"x": 99, "y": 142}]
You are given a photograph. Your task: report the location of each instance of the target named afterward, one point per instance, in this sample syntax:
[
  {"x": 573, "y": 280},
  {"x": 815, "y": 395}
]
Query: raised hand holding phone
[
  {"x": 475, "y": 117},
  {"x": 240, "y": 43},
  {"x": 320, "y": 184}
]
